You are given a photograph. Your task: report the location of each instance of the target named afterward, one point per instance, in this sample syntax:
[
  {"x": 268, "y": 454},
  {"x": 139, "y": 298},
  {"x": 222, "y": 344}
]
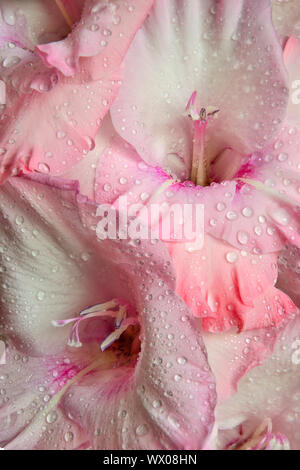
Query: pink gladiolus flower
[
  {"x": 221, "y": 123},
  {"x": 138, "y": 376}
]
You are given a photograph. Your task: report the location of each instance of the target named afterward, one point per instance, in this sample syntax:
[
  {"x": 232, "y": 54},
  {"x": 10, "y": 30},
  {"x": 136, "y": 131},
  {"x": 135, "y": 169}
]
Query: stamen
[
  {"x": 100, "y": 307},
  {"x": 121, "y": 315},
  {"x": 64, "y": 12},
  {"x": 199, "y": 172},
  {"x": 117, "y": 333},
  {"x": 96, "y": 311}
]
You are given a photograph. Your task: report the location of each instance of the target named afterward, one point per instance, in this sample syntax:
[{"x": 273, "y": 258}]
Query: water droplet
[
  {"x": 40, "y": 295},
  {"x": 282, "y": 157},
  {"x": 93, "y": 27},
  {"x": 11, "y": 61},
  {"x": 231, "y": 215},
  {"x": 43, "y": 167},
  {"x": 181, "y": 360},
  {"x": 142, "y": 430},
  {"x": 220, "y": 206},
  {"x": 247, "y": 212},
  {"x": 106, "y": 32},
  {"x": 69, "y": 436},
  {"x": 144, "y": 196},
  {"x": 19, "y": 220},
  {"x": 85, "y": 256},
  {"x": 107, "y": 187},
  {"x": 51, "y": 417},
  {"x": 156, "y": 404},
  {"x": 243, "y": 237},
  {"x": 90, "y": 141},
  {"x": 232, "y": 257},
  {"x": 258, "y": 230},
  {"x": 60, "y": 134}
]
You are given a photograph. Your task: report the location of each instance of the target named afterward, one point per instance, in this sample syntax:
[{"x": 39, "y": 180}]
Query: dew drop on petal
[
  {"x": 142, "y": 430},
  {"x": 51, "y": 417},
  {"x": 43, "y": 167},
  {"x": 11, "y": 61},
  {"x": 243, "y": 237},
  {"x": 231, "y": 257},
  {"x": 247, "y": 212}
]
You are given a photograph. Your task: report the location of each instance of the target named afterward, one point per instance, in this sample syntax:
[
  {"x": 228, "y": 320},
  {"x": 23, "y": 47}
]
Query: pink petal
[
  {"x": 208, "y": 48},
  {"x": 104, "y": 32},
  {"x": 238, "y": 293},
  {"x": 232, "y": 355},
  {"x": 270, "y": 391}
]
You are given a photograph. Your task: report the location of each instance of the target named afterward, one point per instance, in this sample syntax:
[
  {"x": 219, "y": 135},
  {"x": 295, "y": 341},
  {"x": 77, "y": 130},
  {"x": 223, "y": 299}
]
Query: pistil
[{"x": 200, "y": 118}]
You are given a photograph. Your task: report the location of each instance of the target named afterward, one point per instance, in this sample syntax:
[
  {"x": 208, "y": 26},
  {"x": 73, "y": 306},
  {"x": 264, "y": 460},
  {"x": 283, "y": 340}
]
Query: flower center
[
  {"x": 123, "y": 340},
  {"x": 200, "y": 117}
]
